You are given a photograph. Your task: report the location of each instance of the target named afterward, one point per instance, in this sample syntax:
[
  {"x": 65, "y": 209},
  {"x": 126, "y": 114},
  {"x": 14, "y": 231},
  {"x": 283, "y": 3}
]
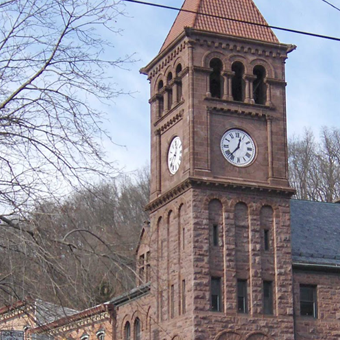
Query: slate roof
[
  {"x": 244, "y": 10},
  {"x": 315, "y": 229}
]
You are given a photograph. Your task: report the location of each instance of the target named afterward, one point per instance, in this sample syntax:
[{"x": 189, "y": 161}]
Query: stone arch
[
  {"x": 178, "y": 61},
  {"x": 126, "y": 328},
  {"x": 238, "y": 58},
  {"x": 228, "y": 335},
  {"x": 257, "y": 336},
  {"x": 138, "y": 315},
  {"x": 268, "y": 67},
  {"x": 159, "y": 78},
  {"x": 209, "y": 56}
]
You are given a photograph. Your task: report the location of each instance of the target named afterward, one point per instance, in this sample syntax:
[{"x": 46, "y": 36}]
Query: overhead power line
[
  {"x": 330, "y": 4},
  {"x": 237, "y": 20}
]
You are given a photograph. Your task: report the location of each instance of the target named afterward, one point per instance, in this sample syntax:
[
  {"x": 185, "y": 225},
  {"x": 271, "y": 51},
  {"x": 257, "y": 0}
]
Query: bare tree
[
  {"x": 54, "y": 74},
  {"x": 55, "y": 66},
  {"x": 314, "y": 167},
  {"x": 80, "y": 252}
]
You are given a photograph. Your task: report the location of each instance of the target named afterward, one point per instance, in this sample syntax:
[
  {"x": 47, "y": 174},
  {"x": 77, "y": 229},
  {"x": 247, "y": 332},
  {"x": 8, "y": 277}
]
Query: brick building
[{"x": 227, "y": 254}]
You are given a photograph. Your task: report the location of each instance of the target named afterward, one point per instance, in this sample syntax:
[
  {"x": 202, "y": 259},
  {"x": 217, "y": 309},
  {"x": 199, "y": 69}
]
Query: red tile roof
[{"x": 244, "y": 10}]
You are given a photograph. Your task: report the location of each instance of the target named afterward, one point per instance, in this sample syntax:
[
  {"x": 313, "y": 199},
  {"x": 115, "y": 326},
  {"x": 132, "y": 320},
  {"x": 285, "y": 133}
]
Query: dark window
[
  {"x": 267, "y": 297},
  {"x": 216, "y": 78},
  {"x": 179, "y": 82},
  {"x": 215, "y": 235},
  {"x": 172, "y": 301},
  {"x": 242, "y": 301},
  {"x": 160, "y": 98},
  {"x": 170, "y": 97},
  {"x": 183, "y": 297},
  {"x": 266, "y": 239},
  {"x": 137, "y": 329},
  {"x": 148, "y": 267},
  {"x": 259, "y": 87},
  {"x": 127, "y": 331},
  {"x": 308, "y": 301},
  {"x": 216, "y": 296},
  {"x": 238, "y": 82}
]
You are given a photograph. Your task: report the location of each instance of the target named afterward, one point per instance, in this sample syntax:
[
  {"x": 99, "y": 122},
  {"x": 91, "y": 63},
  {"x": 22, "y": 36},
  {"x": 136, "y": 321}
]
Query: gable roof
[
  {"x": 243, "y": 10},
  {"x": 315, "y": 228}
]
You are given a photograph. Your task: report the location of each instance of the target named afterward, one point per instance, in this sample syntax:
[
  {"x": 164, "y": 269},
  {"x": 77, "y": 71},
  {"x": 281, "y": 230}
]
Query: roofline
[
  {"x": 18, "y": 304},
  {"x": 133, "y": 294},
  {"x": 105, "y": 307},
  {"x": 316, "y": 267},
  {"x": 189, "y": 32}
]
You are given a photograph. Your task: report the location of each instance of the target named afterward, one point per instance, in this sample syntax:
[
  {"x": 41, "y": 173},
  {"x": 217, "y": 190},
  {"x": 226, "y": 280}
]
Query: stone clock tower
[{"x": 219, "y": 205}]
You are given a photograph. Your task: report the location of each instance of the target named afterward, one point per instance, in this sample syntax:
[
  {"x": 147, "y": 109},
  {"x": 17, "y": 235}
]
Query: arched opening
[
  {"x": 259, "y": 87},
  {"x": 179, "y": 83},
  {"x": 136, "y": 329},
  {"x": 127, "y": 331},
  {"x": 160, "y": 98},
  {"x": 238, "y": 82},
  {"x": 169, "y": 90},
  {"x": 215, "y": 80}
]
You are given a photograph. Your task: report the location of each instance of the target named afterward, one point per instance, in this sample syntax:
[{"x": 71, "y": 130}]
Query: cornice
[
  {"x": 239, "y": 44},
  {"x": 201, "y": 37},
  {"x": 14, "y": 313},
  {"x": 86, "y": 321},
  {"x": 194, "y": 182},
  {"x": 132, "y": 295},
  {"x": 166, "y": 125},
  {"x": 164, "y": 58},
  {"x": 239, "y": 111}
]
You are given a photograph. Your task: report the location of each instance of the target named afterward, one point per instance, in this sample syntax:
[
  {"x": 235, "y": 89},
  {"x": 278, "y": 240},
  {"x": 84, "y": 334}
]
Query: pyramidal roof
[{"x": 244, "y": 10}]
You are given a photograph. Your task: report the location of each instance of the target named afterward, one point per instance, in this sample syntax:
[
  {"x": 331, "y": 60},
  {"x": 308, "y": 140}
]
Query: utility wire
[
  {"x": 237, "y": 20},
  {"x": 328, "y": 3}
]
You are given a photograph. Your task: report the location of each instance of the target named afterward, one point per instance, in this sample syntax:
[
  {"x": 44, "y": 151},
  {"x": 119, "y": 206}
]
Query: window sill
[{"x": 244, "y": 104}]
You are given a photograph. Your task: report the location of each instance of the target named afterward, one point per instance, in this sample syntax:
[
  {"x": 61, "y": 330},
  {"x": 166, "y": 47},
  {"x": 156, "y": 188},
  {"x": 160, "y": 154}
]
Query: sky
[{"x": 312, "y": 71}]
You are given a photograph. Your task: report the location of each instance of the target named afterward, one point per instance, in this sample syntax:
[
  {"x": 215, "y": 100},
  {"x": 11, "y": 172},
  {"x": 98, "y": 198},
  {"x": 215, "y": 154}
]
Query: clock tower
[{"x": 219, "y": 203}]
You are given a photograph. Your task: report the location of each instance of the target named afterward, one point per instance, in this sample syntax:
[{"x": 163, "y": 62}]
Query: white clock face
[
  {"x": 175, "y": 155},
  {"x": 237, "y": 147}
]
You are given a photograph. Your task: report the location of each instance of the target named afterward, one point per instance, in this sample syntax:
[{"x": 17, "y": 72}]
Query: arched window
[
  {"x": 100, "y": 335},
  {"x": 127, "y": 331},
  {"x": 215, "y": 80},
  {"x": 170, "y": 98},
  {"x": 179, "y": 83},
  {"x": 238, "y": 82},
  {"x": 136, "y": 329},
  {"x": 160, "y": 98},
  {"x": 259, "y": 87}
]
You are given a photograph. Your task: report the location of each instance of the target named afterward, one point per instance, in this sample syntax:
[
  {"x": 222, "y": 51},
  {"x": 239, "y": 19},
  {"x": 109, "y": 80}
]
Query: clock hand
[{"x": 238, "y": 146}]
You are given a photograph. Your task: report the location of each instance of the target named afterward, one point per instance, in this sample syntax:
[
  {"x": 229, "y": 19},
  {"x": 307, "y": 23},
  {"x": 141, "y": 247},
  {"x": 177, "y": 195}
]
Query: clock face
[
  {"x": 175, "y": 155},
  {"x": 238, "y": 148}
]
